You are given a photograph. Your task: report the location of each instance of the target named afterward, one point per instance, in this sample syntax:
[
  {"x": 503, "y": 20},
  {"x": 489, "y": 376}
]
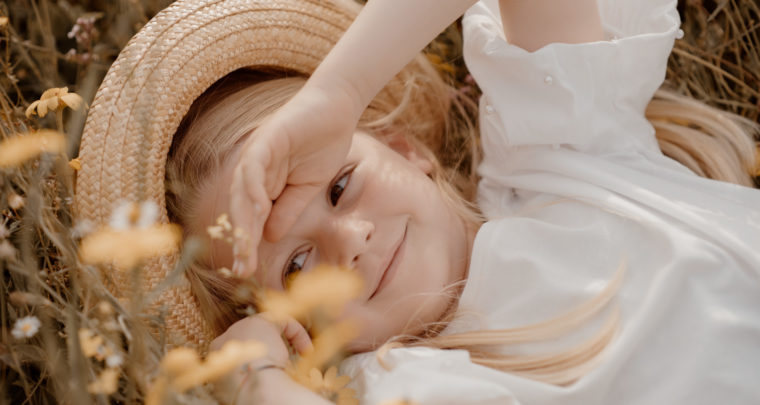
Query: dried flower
[
  {"x": 182, "y": 368},
  {"x": 224, "y": 222},
  {"x": 90, "y": 343},
  {"x": 84, "y": 29},
  {"x": 127, "y": 248},
  {"x": 225, "y": 272},
  {"x": 133, "y": 215},
  {"x": 114, "y": 360},
  {"x": 21, "y": 298},
  {"x": 215, "y": 232},
  {"x": 7, "y": 251},
  {"x": 3, "y": 21},
  {"x": 4, "y": 232},
  {"x": 326, "y": 345},
  {"x": 54, "y": 99},
  {"x": 17, "y": 150},
  {"x": 75, "y": 164},
  {"x": 331, "y": 386},
  {"x": 15, "y": 201},
  {"x": 105, "y": 308},
  {"x": 106, "y": 383},
  {"x": 179, "y": 360},
  {"x": 26, "y": 327},
  {"x": 82, "y": 228},
  {"x": 218, "y": 363},
  {"x": 327, "y": 288}
]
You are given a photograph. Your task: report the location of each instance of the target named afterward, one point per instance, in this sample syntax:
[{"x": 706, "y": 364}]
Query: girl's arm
[
  {"x": 385, "y": 36},
  {"x": 531, "y": 24}
]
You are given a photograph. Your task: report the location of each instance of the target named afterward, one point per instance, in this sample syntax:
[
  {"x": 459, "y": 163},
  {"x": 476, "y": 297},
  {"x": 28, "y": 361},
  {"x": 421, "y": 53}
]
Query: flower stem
[{"x": 59, "y": 119}]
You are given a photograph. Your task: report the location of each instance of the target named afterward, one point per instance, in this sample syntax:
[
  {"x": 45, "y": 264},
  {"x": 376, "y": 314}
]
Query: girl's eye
[
  {"x": 338, "y": 186},
  {"x": 294, "y": 266}
]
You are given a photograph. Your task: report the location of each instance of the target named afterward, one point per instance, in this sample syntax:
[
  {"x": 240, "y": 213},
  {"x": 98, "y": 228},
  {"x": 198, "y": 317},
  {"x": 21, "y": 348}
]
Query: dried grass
[{"x": 718, "y": 61}]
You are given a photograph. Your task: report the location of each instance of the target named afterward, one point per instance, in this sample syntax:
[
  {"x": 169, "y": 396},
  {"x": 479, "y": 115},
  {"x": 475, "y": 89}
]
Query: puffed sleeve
[
  {"x": 426, "y": 376},
  {"x": 590, "y": 96}
]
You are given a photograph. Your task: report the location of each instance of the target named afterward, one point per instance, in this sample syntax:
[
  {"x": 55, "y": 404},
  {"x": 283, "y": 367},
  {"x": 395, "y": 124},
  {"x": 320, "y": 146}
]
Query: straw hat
[{"x": 180, "y": 53}]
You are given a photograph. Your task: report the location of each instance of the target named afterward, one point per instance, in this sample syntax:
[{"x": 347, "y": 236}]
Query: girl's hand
[
  {"x": 288, "y": 160},
  {"x": 258, "y": 328},
  {"x": 272, "y": 385}
]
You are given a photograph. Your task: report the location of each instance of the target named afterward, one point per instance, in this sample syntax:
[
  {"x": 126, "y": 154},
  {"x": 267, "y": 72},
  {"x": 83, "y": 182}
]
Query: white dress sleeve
[
  {"x": 590, "y": 97},
  {"x": 426, "y": 376}
]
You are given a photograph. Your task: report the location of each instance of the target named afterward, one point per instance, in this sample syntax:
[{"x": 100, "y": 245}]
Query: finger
[
  {"x": 296, "y": 334},
  {"x": 287, "y": 209},
  {"x": 249, "y": 207}
]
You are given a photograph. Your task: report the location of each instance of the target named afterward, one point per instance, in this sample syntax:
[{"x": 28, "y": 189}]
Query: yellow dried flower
[
  {"x": 183, "y": 369},
  {"x": 17, "y": 150},
  {"x": 331, "y": 386},
  {"x": 106, "y": 383},
  {"x": 75, "y": 164},
  {"x": 326, "y": 345},
  {"x": 215, "y": 232},
  {"x": 326, "y": 287},
  {"x": 224, "y": 222},
  {"x": 232, "y": 355},
  {"x": 105, "y": 308},
  {"x": 180, "y": 360},
  {"x": 126, "y": 248},
  {"x": 90, "y": 342},
  {"x": 54, "y": 99},
  {"x": 3, "y": 21}
]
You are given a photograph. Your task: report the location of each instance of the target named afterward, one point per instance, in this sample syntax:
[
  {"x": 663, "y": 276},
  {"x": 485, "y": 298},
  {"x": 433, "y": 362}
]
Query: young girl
[{"x": 580, "y": 206}]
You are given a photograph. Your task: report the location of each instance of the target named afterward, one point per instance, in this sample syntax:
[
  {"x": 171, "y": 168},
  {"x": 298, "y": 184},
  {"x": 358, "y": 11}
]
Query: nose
[{"x": 349, "y": 238}]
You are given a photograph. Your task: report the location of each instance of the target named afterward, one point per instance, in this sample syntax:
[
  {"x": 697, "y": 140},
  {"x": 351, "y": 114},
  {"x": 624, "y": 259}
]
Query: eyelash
[
  {"x": 290, "y": 273},
  {"x": 344, "y": 178},
  {"x": 338, "y": 186}
]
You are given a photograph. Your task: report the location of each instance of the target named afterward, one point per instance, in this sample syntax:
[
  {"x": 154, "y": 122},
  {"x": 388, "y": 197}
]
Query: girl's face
[{"x": 381, "y": 215}]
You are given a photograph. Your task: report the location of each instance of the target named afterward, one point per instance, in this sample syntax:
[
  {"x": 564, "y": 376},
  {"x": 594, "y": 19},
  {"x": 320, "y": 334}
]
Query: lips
[{"x": 391, "y": 263}]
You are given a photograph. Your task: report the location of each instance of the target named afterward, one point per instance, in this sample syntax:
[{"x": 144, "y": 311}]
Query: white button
[
  {"x": 679, "y": 34},
  {"x": 548, "y": 80},
  {"x": 489, "y": 109}
]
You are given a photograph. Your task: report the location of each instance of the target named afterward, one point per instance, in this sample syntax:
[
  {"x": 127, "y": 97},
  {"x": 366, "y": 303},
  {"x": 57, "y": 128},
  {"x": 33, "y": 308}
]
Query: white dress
[{"x": 573, "y": 183}]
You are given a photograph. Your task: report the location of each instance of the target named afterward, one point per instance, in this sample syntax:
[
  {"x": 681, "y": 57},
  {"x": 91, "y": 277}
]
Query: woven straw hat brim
[{"x": 150, "y": 87}]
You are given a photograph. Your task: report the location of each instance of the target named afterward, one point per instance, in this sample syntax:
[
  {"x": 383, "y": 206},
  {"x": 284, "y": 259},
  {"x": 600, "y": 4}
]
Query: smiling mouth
[{"x": 390, "y": 270}]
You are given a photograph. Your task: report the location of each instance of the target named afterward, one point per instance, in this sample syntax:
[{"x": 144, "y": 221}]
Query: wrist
[{"x": 340, "y": 93}]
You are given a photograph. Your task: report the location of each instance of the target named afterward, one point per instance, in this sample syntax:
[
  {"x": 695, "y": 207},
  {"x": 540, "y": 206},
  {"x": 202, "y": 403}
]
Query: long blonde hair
[{"x": 710, "y": 142}]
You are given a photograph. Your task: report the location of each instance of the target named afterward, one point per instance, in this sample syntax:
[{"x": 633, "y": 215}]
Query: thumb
[{"x": 287, "y": 208}]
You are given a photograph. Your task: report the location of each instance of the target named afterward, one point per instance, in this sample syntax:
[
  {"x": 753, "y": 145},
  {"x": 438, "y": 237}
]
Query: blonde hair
[{"x": 710, "y": 142}]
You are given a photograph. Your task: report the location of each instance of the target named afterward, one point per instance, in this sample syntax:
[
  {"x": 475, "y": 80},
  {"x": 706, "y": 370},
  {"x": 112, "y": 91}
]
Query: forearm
[
  {"x": 386, "y": 35},
  {"x": 531, "y": 24}
]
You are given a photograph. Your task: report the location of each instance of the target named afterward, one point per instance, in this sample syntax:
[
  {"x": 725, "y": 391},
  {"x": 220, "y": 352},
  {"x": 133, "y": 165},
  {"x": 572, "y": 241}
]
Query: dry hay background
[{"x": 717, "y": 61}]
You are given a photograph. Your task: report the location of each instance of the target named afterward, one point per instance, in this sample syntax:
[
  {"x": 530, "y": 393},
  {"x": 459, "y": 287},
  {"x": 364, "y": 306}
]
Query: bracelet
[{"x": 267, "y": 367}]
